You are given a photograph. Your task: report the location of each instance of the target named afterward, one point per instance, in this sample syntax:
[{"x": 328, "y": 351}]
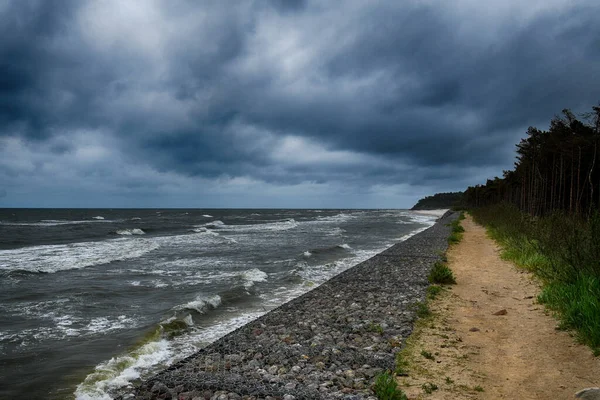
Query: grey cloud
[{"x": 418, "y": 93}]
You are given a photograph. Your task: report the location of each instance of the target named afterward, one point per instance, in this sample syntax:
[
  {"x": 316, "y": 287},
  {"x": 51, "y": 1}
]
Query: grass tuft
[
  {"x": 427, "y": 355},
  {"x": 429, "y": 387},
  {"x": 386, "y": 388}
]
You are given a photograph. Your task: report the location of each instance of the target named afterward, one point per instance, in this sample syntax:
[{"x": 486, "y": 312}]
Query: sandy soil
[{"x": 518, "y": 354}]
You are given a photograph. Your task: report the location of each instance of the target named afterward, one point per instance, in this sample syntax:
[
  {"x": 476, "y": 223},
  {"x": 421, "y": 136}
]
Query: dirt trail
[{"x": 479, "y": 355}]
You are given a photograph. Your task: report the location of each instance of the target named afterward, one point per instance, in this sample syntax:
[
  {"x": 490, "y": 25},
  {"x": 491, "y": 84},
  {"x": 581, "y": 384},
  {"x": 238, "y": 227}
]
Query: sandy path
[{"x": 519, "y": 355}]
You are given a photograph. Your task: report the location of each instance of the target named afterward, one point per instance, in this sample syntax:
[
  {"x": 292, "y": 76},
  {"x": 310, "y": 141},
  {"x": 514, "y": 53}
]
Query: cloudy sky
[{"x": 353, "y": 103}]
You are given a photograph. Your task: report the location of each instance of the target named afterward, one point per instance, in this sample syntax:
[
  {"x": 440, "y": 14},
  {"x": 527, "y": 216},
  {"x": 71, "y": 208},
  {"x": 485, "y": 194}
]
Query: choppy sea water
[{"x": 93, "y": 300}]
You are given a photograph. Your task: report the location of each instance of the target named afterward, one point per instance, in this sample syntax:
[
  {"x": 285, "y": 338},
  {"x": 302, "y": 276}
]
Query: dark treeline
[
  {"x": 556, "y": 170},
  {"x": 439, "y": 200}
]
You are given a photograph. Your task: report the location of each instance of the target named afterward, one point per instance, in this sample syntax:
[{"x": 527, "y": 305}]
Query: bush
[{"x": 440, "y": 273}]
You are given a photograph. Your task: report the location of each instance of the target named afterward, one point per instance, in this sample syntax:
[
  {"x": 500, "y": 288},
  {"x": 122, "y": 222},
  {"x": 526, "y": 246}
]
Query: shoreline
[{"x": 330, "y": 342}]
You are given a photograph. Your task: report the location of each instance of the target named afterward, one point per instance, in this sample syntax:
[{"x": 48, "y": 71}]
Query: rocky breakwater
[{"x": 329, "y": 343}]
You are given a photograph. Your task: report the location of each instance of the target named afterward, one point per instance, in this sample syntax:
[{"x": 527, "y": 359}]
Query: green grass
[
  {"x": 577, "y": 305},
  {"x": 441, "y": 274},
  {"x": 427, "y": 355},
  {"x": 478, "y": 389},
  {"x": 457, "y": 232},
  {"x": 386, "y": 388},
  {"x": 564, "y": 252}
]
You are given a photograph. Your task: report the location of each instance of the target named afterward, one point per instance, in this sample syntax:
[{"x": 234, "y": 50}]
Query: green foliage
[
  {"x": 562, "y": 250},
  {"x": 427, "y": 355},
  {"x": 456, "y": 234},
  {"x": 449, "y": 381},
  {"x": 433, "y": 291},
  {"x": 441, "y": 274},
  {"x": 578, "y": 306},
  {"x": 478, "y": 389},
  {"x": 386, "y": 388},
  {"x": 439, "y": 200},
  {"x": 429, "y": 387}
]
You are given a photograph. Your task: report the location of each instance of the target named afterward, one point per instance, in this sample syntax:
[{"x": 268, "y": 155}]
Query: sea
[{"x": 93, "y": 300}]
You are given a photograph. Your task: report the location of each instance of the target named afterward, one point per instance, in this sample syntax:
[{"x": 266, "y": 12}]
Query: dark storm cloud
[{"x": 286, "y": 92}]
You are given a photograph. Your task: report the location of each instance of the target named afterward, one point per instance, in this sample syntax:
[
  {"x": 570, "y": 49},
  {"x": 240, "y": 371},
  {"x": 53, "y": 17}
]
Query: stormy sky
[{"x": 353, "y": 103}]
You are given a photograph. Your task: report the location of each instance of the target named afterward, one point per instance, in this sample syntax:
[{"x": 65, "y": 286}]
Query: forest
[
  {"x": 557, "y": 169},
  {"x": 439, "y": 201}
]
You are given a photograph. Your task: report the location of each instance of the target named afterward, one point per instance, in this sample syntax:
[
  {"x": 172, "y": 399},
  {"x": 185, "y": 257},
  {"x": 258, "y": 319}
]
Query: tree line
[
  {"x": 556, "y": 170},
  {"x": 439, "y": 200}
]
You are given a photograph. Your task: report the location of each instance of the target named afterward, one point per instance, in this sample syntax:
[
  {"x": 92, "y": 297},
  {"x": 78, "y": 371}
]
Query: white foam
[
  {"x": 129, "y": 232},
  {"x": 282, "y": 225},
  {"x": 119, "y": 371},
  {"x": 202, "y": 304},
  {"x": 158, "y": 283},
  {"x": 337, "y": 231},
  {"x": 252, "y": 276},
  {"x": 215, "y": 224},
  {"x": 341, "y": 217},
  {"x": 307, "y": 253},
  {"x": 135, "y": 283},
  {"x": 436, "y": 213},
  {"x": 135, "y": 219},
  {"x": 106, "y": 324},
  {"x": 98, "y": 217},
  {"x": 207, "y": 216},
  {"x": 53, "y": 258},
  {"x": 345, "y": 246},
  {"x": 188, "y": 320}
]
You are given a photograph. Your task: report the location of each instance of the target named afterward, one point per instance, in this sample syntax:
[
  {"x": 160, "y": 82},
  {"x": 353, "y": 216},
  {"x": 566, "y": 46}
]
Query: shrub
[{"x": 440, "y": 273}]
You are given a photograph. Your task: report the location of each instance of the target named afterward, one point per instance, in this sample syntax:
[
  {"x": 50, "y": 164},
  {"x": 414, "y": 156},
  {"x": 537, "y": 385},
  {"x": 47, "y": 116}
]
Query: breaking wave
[
  {"x": 129, "y": 232},
  {"x": 54, "y": 258}
]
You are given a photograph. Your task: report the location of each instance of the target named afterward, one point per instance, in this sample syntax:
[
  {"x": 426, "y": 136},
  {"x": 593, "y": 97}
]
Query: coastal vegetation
[
  {"x": 545, "y": 215},
  {"x": 439, "y": 201},
  {"x": 441, "y": 274},
  {"x": 386, "y": 388}
]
